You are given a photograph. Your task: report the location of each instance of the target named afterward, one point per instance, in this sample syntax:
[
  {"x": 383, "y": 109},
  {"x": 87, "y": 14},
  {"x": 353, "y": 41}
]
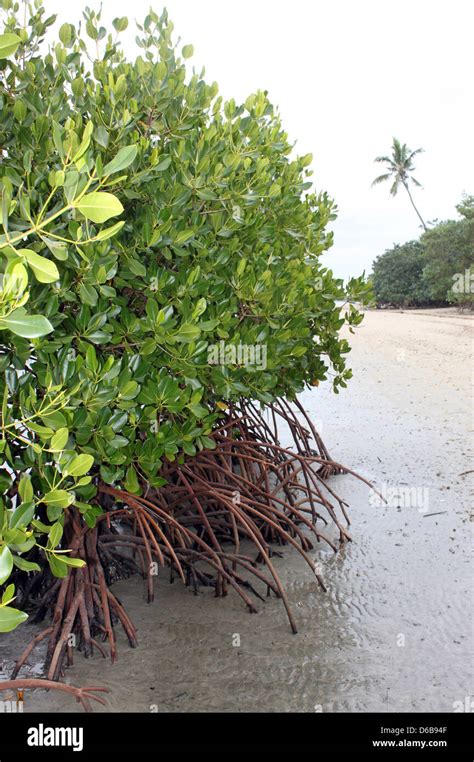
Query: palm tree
[{"x": 399, "y": 167}]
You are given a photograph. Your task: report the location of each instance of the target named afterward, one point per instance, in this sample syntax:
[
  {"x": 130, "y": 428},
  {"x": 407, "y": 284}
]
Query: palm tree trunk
[{"x": 414, "y": 207}]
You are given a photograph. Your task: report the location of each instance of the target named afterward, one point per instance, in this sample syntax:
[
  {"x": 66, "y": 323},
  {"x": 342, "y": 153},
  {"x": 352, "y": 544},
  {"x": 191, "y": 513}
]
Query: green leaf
[
  {"x": 187, "y": 332},
  {"x": 57, "y": 248},
  {"x": 27, "y": 326},
  {"x": 15, "y": 281},
  {"x": 54, "y": 420},
  {"x": 58, "y": 498},
  {"x": 131, "y": 481},
  {"x": 55, "y": 534},
  {"x": 183, "y": 237},
  {"x": 198, "y": 410},
  {"x": 57, "y": 136},
  {"x": 163, "y": 164},
  {"x": 22, "y": 515},
  {"x": 85, "y": 143},
  {"x": 208, "y": 443},
  {"x": 53, "y": 513},
  {"x": 103, "y": 235},
  {"x": 298, "y": 351},
  {"x": 88, "y": 294},
  {"x": 6, "y": 481},
  {"x": 6, "y": 563},
  {"x": 43, "y": 528},
  {"x": 44, "y": 431},
  {"x": 20, "y": 110},
  {"x": 188, "y": 51},
  {"x": 25, "y": 565},
  {"x": 241, "y": 266},
  {"x": 11, "y": 618},
  {"x": 101, "y": 136},
  {"x": 137, "y": 268},
  {"x": 8, "y": 594},
  {"x": 120, "y": 24},
  {"x": 25, "y": 488},
  {"x": 77, "y": 562},
  {"x": 59, "y": 440},
  {"x": 90, "y": 519},
  {"x": 80, "y": 465},
  {"x": 100, "y": 207},
  {"x": 122, "y": 160},
  {"x": 8, "y": 44},
  {"x": 65, "y": 34},
  {"x": 45, "y": 270},
  {"x": 57, "y": 565}
]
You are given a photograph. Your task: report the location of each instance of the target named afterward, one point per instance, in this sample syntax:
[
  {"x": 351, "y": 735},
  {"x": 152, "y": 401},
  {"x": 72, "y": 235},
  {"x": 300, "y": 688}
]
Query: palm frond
[
  {"x": 394, "y": 188},
  {"x": 398, "y": 151},
  {"x": 381, "y": 179},
  {"x": 384, "y": 160},
  {"x": 415, "y": 153}
]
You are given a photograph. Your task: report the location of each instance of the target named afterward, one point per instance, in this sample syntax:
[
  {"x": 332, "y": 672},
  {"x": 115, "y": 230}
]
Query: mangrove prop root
[
  {"x": 83, "y": 608},
  {"x": 83, "y": 695},
  {"x": 249, "y": 490}
]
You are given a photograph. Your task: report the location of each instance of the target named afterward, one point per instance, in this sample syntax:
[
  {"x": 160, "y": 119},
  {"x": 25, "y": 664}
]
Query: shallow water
[{"x": 393, "y": 630}]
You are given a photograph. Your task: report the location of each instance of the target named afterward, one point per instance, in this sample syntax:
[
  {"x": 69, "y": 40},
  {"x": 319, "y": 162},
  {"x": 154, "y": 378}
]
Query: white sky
[{"x": 347, "y": 75}]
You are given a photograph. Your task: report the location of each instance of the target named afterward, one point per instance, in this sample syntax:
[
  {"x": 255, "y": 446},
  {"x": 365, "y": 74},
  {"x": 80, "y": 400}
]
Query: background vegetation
[{"x": 437, "y": 269}]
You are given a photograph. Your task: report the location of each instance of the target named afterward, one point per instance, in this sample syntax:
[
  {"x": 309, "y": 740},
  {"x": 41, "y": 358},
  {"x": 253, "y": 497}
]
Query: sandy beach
[{"x": 393, "y": 630}]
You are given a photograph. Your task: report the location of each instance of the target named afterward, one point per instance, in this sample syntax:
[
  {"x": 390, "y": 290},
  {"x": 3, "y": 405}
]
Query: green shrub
[
  {"x": 448, "y": 251},
  {"x": 398, "y": 276},
  {"x": 144, "y": 221},
  {"x": 433, "y": 270}
]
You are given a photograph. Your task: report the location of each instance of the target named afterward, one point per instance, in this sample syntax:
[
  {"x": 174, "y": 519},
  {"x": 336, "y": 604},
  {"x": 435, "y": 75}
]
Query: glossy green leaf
[
  {"x": 187, "y": 332},
  {"x": 163, "y": 164},
  {"x": 100, "y": 206},
  {"x": 15, "y": 280},
  {"x": 8, "y": 594},
  {"x": 25, "y": 565},
  {"x": 8, "y": 44},
  {"x": 59, "y": 440},
  {"x": 77, "y": 563},
  {"x": 122, "y": 160},
  {"x": 57, "y": 248},
  {"x": 58, "y": 498},
  {"x": 131, "y": 483},
  {"x": 57, "y": 565},
  {"x": 80, "y": 465},
  {"x": 45, "y": 270},
  {"x": 22, "y": 515},
  {"x": 10, "y": 618},
  {"x": 120, "y": 24},
  {"x": 85, "y": 142},
  {"x": 28, "y": 326},
  {"x": 65, "y": 34},
  {"x": 55, "y": 535},
  {"x": 6, "y": 563},
  {"x": 103, "y": 235},
  {"x": 25, "y": 488}
]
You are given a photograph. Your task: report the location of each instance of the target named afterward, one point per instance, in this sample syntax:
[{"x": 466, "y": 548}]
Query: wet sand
[{"x": 393, "y": 630}]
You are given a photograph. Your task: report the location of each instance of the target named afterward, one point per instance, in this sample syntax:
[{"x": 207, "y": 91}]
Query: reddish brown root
[
  {"x": 83, "y": 695},
  {"x": 249, "y": 489},
  {"x": 83, "y": 609}
]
